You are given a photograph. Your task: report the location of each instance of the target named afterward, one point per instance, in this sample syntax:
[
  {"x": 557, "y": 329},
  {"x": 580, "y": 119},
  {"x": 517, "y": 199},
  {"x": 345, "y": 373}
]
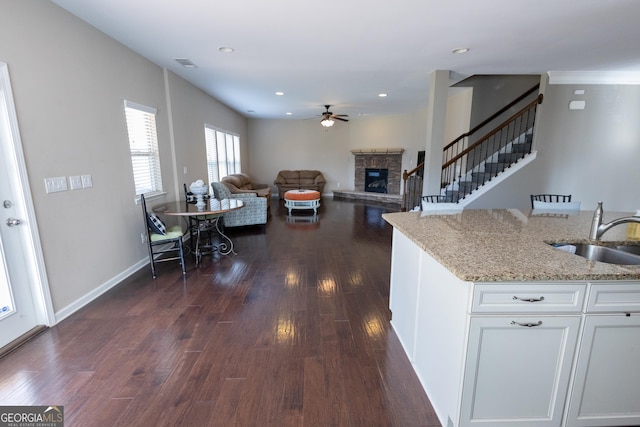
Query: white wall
[
  {"x": 592, "y": 154},
  {"x": 69, "y": 82},
  {"x": 191, "y": 108},
  {"x": 304, "y": 144},
  {"x": 458, "y": 113}
]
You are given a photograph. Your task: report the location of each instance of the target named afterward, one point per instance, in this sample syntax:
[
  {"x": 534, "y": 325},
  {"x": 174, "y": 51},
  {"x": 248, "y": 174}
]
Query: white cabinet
[
  {"x": 403, "y": 295},
  {"x": 607, "y": 381},
  {"x": 522, "y": 341},
  {"x": 528, "y": 298},
  {"x": 606, "y": 389},
  {"x": 553, "y": 354},
  {"x": 517, "y": 370}
]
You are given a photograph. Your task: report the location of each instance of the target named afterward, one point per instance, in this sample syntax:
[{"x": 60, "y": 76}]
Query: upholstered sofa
[
  {"x": 299, "y": 180},
  {"x": 255, "y": 210},
  {"x": 241, "y": 183}
]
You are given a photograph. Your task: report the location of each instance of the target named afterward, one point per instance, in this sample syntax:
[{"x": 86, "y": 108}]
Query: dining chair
[
  {"x": 550, "y": 198},
  {"x": 162, "y": 240},
  {"x": 439, "y": 204},
  {"x": 436, "y": 198}
]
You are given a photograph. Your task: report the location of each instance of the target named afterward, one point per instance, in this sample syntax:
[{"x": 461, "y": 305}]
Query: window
[
  {"x": 223, "y": 153},
  {"x": 143, "y": 144}
]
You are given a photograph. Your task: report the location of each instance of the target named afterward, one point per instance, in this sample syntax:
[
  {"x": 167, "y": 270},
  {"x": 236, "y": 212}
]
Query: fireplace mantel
[{"x": 382, "y": 151}]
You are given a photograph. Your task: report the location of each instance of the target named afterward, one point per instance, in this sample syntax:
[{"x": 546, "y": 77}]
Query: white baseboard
[{"x": 87, "y": 298}]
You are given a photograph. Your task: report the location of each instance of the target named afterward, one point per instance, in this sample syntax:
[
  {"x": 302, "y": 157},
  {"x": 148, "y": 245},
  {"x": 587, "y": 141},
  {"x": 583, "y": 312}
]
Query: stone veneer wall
[{"x": 390, "y": 159}]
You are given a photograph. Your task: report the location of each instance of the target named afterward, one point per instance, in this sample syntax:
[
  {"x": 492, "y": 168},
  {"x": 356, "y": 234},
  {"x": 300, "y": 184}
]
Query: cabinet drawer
[
  {"x": 614, "y": 297},
  {"x": 528, "y": 298}
]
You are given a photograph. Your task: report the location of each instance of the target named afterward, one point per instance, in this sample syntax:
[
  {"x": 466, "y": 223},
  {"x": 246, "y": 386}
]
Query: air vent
[{"x": 186, "y": 63}]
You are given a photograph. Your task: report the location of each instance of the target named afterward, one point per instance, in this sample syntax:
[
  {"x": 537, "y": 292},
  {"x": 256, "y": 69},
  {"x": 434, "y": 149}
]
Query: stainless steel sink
[
  {"x": 632, "y": 249},
  {"x": 608, "y": 255}
]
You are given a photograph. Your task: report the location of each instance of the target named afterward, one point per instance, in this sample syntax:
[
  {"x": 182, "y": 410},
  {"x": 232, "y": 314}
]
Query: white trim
[
  {"x": 40, "y": 286},
  {"x": 172, "y": 136},
  {"x": 217, "y": 129},
  {"x": 594, "y": 77},
  {"x": 502, "y": 176},
  {"x": 96, "y": 292},
  {"x": 136, "y": 106},
  {"x": 151, "y": 196}
]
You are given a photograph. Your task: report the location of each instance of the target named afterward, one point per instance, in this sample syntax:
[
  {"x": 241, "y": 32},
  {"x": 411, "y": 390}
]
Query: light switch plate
[
  {"x": 53, "y": 185},
  {"x": 87, "y": 181},
  {"x": 75, "y": 182}
]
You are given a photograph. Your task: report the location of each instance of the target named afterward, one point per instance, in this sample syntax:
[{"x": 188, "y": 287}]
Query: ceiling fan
[{"x": 328, "y": 117}]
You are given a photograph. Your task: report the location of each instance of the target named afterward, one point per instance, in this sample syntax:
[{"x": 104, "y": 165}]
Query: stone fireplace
[{"x": 380, "y": 162}]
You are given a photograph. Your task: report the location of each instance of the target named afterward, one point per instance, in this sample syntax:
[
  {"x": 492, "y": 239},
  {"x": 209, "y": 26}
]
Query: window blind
[
  {"x": 143, "y": 145},
  {"x": 223, "y": 153}
]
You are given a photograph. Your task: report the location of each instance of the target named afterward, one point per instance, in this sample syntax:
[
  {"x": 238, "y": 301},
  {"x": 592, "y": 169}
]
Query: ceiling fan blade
[
  {"x": 340, "y": 115},
  {"x": 339, "y": 118}
]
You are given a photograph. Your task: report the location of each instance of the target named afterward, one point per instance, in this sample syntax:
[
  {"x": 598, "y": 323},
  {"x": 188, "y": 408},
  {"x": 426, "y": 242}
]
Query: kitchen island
[{"x": 503, "y": 329}]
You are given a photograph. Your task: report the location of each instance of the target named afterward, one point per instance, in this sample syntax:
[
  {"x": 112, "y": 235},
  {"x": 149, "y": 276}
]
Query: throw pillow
[{"x": 156, "y": 224}]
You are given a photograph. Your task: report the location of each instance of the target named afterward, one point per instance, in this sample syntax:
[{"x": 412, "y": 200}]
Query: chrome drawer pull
[
  {"x": 528, "y": 299},
  {"x": 527, "y": 325}
]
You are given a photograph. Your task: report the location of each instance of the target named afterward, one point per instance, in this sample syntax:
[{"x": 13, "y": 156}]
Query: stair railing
[
  {"x": 452, "y": 154},
  {"x": 454, "y": 148},
  {"x": 412, "y": 188},
  {"x": 469, "y": 161}
]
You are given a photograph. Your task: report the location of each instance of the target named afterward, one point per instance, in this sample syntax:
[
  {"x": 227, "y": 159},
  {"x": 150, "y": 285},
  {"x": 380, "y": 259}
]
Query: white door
[{"x": 23, "y": 302}]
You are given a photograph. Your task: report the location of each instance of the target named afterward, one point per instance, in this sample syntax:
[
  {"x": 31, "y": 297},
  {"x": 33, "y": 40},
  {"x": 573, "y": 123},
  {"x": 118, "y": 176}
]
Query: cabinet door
[
  {"x": 518, "y": 370},
  {"x": 607, "y": 380}
]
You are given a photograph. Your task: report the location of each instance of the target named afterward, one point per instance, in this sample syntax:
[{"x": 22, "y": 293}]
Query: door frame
[{"x": 34, "y": 258}]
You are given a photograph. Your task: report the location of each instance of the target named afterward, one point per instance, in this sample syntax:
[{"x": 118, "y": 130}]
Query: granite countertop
[{"x": 479, "y": 245}]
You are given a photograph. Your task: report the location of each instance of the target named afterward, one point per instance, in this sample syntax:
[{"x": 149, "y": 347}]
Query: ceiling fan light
[{"x": 327, "y": 123}]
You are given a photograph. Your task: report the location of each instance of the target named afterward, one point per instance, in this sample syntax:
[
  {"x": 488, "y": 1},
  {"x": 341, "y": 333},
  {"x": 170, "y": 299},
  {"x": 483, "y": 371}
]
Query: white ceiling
[{"x": 346, "y": 53}]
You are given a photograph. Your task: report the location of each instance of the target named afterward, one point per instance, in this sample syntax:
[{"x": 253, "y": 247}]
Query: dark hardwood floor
[{"x": 292, "y": 331}]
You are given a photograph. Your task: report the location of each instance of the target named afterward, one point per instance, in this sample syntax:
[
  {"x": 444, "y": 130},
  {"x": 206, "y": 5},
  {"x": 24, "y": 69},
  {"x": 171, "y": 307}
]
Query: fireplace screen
[{"x": 375, "y": 180}]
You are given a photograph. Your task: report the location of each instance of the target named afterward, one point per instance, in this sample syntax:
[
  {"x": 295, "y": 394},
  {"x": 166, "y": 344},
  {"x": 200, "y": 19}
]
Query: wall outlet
[{"x": 143, "y": 237}]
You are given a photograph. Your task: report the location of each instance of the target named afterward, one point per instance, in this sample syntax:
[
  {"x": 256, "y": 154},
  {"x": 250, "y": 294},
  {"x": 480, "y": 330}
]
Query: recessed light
[
  {"x": 225, "y": 49},
  {"x": 382, "y": 95},
  {"x": 288, "y": 113},
  {"x": 280, "y": 93},
  {"x": 460, "y": 50}
]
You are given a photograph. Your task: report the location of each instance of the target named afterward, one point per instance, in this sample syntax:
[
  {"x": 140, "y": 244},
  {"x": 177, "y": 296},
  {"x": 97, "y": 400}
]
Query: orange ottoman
[{"x": 302, "y": 199}]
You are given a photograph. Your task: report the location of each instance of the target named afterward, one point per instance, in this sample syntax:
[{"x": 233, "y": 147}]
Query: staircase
[{"x": 469, "y": 167}]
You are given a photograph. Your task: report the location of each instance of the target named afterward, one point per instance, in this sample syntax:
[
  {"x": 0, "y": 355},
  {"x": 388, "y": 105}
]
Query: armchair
[
  {"x": 241, "y": 183},
  {"x": 255, "y": 208}
]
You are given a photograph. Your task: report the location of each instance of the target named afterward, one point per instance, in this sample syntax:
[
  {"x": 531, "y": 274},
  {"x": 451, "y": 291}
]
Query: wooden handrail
[
  {"x": 406, "y": 175},
  {"x": 538, "y": 100},
  {"x": 493, "y": 116}
]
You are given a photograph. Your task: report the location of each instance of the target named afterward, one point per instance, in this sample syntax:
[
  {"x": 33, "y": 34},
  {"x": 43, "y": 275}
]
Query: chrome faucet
[{"x": 598, "y": 228}]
